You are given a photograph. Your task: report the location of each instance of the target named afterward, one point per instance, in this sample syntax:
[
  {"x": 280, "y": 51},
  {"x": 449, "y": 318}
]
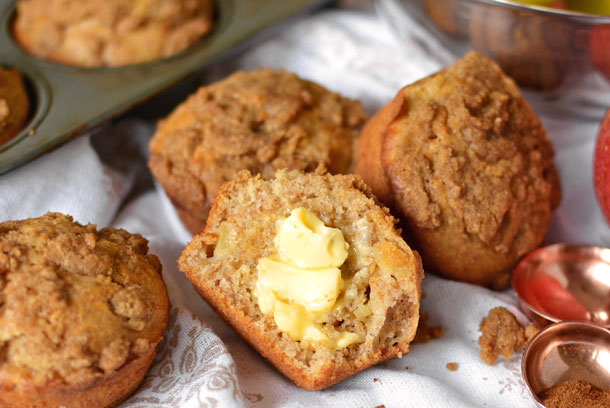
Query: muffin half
[
  {"x": 310, "y": 270},
  {"x": 81, "y": 313},
  {"x": 258, "y": 121},
  {"x": 465, "y": 162}
]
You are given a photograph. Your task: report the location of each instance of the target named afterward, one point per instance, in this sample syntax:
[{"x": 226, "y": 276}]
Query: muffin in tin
[
  {"x": 14, "y": 104},
  {"x": 81, "y": 313},
  {"x": 259, "y": 121},
  {"x": 465, "y": 162},
  {"x": 97, "y": 33},
  {"x": 311, "y": 271}
]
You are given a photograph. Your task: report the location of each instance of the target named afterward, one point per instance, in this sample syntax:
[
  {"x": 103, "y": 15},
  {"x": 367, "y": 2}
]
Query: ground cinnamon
[{"x": 575, "y": 394}]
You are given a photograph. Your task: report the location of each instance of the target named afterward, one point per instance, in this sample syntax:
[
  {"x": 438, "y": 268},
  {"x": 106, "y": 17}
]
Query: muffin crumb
[
  {"x": 501, "y": 334},
  {"x": 425, "y": 333},
  {"x": 114, "y": 355},
  {"x": 452, "y": 366}
]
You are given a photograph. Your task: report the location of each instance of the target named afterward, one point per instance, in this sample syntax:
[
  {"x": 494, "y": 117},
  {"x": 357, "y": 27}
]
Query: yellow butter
[
  {"x": 316, "y": 289},
  {"x": 347, "y": 338},
  {"x": 304, "y": 241},
  {"x": 300, "y": 284}
]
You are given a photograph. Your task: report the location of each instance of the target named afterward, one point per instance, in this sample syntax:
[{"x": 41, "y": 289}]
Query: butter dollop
[{"x": 301, "y": 283}]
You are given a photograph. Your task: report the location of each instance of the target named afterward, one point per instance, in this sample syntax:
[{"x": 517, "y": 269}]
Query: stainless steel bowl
[
  {"x": 564, "y": 55},
  {"x": 567, "y": 351},
  {"x": 565, "y": 282}
]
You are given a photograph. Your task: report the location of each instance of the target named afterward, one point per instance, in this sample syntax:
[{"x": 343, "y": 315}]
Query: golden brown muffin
[
  {"x": 465, "y": 161},
  {"x": 259, "y": 121},
  {"x": 97, "y": 33},
  {"x": 379, "y": 298},
  {"x": 81, "y": 313},
  {"x": 14, "y": 104}
]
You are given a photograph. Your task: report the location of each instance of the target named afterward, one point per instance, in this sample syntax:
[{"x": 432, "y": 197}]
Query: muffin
[
  {"x": 81, "y": 313},
  {"x": 96, "y": 33},
  {"x": 259, "y": 121},
  {"x": 14, "y": 104},
  {"x": 310, "y": 270},
  {"x": 465, "y": 162}
]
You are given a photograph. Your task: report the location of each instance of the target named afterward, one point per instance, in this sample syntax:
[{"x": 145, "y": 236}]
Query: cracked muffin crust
[
  {"x": 465, "y": 161},
  {"x": 97, "y": 33},
  {"x": 81, "y": 313},
  {"x": 258, "y": 121},
  {"x": 382, "y": 275}
]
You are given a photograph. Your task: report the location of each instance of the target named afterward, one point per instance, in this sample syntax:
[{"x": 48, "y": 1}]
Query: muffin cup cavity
[{"x": 110, "y": 91}]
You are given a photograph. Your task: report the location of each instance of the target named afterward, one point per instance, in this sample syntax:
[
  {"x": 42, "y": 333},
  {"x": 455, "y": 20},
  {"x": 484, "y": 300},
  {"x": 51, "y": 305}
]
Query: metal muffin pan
[{"x": 69, "y": 100}]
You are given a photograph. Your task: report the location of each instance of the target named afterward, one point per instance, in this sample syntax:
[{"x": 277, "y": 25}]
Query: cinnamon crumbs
[
  {"x": 501, "y": 334},
  {"x": 426, "y": 333}
]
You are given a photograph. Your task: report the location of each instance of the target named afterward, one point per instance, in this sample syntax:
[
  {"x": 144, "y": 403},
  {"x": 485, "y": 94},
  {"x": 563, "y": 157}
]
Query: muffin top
[
  {"x": 76, "y": 304},
  {"x": 96, "y": 33},
  {"x": 14, "y": 104},
  {"x": 474, "y": 154},
  {"x": 260, "y": 121},
  {"x": 465, "y": 161}
]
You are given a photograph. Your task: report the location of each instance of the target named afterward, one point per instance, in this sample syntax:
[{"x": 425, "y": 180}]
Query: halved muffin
[
  {"x": 81, "y": 313},
  {"x": 310, "y": 270}
]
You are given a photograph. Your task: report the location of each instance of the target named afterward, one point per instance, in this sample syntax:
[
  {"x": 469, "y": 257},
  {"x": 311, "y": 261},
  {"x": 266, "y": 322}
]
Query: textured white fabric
[
  {"x": 207, "y": 364},
  {"x": 70, "y": 179}
]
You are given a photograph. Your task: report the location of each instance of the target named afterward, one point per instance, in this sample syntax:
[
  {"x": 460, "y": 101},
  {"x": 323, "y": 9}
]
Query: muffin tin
[{"x": 68, "y": 100}]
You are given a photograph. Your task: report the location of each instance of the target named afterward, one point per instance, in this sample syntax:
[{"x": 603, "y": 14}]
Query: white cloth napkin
[{"x": 201, "y": 361}]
